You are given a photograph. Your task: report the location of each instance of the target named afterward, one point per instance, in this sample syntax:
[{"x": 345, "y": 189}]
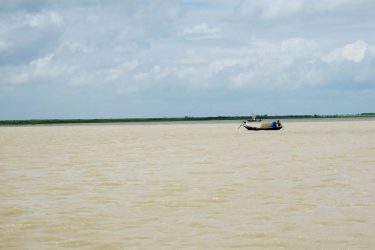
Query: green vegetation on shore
[{"x": 174, "y": 119}]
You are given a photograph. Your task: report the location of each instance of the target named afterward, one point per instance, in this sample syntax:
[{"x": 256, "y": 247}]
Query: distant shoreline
[{"x": 172, "y": 119}]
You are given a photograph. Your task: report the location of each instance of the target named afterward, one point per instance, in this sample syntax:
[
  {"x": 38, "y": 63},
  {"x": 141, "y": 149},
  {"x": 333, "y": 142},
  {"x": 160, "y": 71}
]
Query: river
[{"x": 188, "y": 185}]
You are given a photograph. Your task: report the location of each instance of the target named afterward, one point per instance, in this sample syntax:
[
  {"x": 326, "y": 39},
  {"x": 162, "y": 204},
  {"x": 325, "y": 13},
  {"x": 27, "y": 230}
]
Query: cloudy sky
[{"x": 99, "y": 59}]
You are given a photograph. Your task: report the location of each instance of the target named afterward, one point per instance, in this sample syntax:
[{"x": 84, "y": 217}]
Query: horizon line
[{"x": 166, "y": 119}]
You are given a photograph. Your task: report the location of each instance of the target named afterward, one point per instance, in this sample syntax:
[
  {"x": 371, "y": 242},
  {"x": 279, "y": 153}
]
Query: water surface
[{"x": 196, "y": 185}]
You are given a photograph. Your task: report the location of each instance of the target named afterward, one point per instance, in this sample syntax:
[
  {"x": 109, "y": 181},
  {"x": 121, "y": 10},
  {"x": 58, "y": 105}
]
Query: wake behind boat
[{"x": 262, "y": 126}]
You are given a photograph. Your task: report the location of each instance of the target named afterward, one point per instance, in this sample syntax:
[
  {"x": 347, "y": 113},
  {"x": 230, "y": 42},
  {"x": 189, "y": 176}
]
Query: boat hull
[{"x": 257, "y": 129}]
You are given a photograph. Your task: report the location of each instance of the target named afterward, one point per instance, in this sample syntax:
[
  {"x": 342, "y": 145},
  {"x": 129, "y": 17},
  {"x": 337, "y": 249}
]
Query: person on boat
[{"x": 278, "y": 123}]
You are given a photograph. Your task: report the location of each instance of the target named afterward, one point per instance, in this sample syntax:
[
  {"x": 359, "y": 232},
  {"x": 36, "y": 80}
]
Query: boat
[{"x": 262, "y": 126}]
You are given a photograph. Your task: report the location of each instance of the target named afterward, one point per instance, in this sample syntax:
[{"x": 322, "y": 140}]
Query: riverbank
[{"x": 173, "y": 119}]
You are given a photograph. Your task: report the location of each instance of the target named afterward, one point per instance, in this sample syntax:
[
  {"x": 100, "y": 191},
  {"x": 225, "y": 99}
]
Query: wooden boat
[
  {"x": 263, "y": 126},
  {"x": 260, "y": 128}
]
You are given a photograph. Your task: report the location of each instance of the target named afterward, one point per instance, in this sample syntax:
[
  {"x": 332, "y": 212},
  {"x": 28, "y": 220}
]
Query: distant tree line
[{"x": 173, "y": 119}]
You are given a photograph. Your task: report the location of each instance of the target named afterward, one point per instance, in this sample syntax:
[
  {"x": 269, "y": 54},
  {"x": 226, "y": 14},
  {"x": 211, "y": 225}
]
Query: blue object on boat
[{"x": 274, "y": 124}]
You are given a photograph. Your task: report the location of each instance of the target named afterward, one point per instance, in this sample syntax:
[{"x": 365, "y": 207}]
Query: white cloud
[
  {"x": 90, "y": 75},
  {"x": 4, "y": 45},
  {"x": 298, "y": 45},
  {"x": 202, "y": 28},
  {"x": 76, "y": 47},
  {"x": 201, "y": 31},
  {"x": 190, "y": 75},
  {"x": 291, "y": 63},
  {"x": 328, "y": 5},
  {"x": 47, "y": 67},
  {"x": 272, "y": 9},
  {"x": 120, "y": 71},
  {"x": 354, "y": 52},
  {"x": 191, "y": 57},
  {"x": 156, "y": 73},
  {"x": 42, "y": 19},
  {"x": 20, "y": 77},
  {"x": 43, "y": 68},
  {"x": 242, "y": 79},
  {"x": 219, "y": 65},
  {"x": 185, "y": 72}
]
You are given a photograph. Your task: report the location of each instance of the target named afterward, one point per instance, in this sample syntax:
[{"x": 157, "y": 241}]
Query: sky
[{"x": 117, "y": 59}]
